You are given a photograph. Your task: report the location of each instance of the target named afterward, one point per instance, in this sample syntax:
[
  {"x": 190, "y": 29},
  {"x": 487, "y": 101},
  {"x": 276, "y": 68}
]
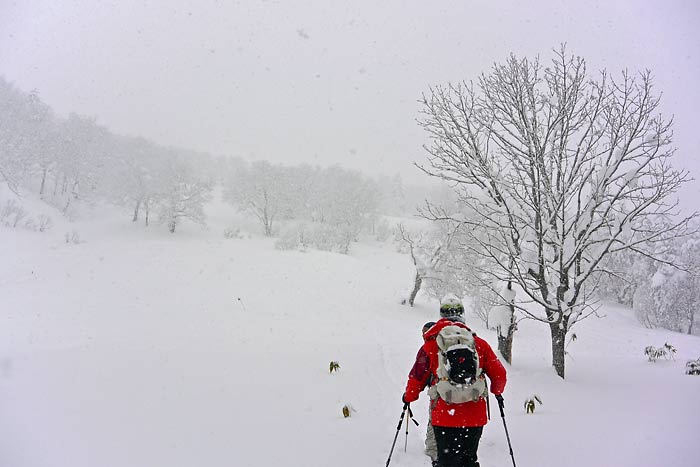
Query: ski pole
[
  {"x": 488, "y": 401},
  {"x": 398, "y": 429},
  {"x": 405, "y": 443},
  {"x": 410, "y": 419},
  {"x": 499, "y": 398}
]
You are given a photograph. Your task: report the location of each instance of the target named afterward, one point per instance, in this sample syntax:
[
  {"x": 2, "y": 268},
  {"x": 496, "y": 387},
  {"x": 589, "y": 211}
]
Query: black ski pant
[{"x": 457, "y": 447}]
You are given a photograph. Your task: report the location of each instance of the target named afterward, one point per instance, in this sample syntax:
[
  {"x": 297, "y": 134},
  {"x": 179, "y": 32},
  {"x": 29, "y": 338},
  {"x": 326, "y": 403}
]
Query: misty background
[
  {"x": 204, "y": 203},
  {"x": 323, "y": 82}
]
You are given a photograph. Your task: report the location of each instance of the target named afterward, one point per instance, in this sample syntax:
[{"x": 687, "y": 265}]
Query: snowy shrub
[
  {"x": 334, "y": 366},
  {"x": 666, "y": 351},
  {"x": 45, "y": 223},
  {"x": 324, "y": 237},
  {"x": 12, "y": 214},
  {"x": 383, "y": 230},
  {"x": 328, "y": 237},
  {"x": 347, "y": 410},
  {"x": 530, "y": 403},
  {"x": 292, "y": 237},
  {"x": 30, "y": 224},
  {"x": 73, "y": 237},
  {"x": 321, "y": 236},
  {"x": 234, "y": 233},
  {"x": 692, "y": 367}
]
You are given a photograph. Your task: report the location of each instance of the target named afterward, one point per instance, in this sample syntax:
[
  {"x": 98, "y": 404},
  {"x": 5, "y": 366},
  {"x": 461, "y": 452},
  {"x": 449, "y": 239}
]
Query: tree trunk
[
  {"x": 136, "y": 211},
  {"x": 43, "y": 184},
  {"x": 73, "y": 191},
  {"x": 65, "y": 208},
  {"x": 692, "y": 321},
  {"x": 505, "y": 343},
  {"x": 558, "y": 340},
  {"x": 172, "y": 224},
  {"x": 416, "y": 287},
  {"x": 148, "y": 211}
]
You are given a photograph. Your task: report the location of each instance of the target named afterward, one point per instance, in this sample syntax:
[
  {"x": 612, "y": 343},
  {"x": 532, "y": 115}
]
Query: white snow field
[{"x": 138, "y": 348}]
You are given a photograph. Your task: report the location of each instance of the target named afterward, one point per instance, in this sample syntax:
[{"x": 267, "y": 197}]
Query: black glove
[
  {"x": 499, "y": 398},
  {"x": 403, "y": 399}
]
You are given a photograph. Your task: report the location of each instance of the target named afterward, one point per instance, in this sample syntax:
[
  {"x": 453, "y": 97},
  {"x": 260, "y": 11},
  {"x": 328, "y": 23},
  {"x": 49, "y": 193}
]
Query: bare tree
[
  {"x": 561, "y": 170},
  {"x": 428, "y": 253},
  {"x": 184, "y": 195},
  {"x": 262, "y": 189},
  {"x": 138, "y": 174},
  {"x": 468, "y": 270}
]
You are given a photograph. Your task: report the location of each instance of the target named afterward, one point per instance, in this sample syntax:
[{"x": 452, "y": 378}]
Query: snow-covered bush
[
  {"x": 347, "y": 410},
  {"x": 692, "y": 367},
  {"x": 383, "y": 230},
  {"x": 324, "y": 237},
  {"x": 45, "y": 223},
  {"x": 73, "y": 237},
  {"x": 530, "y": 403},
  {"x": 12, "y": 213},
  {"x": 292, "y": 237},
  {"x": 328, "y": 237},
  {"x": 654, "y": 353},
  {"x": 231, "y": 232}
]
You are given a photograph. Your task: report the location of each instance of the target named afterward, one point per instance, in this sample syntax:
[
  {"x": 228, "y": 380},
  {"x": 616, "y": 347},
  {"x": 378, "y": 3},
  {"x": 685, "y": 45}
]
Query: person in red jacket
[
  {"x": 430, "y": 446},
  {"x": 457, "y": 426}
]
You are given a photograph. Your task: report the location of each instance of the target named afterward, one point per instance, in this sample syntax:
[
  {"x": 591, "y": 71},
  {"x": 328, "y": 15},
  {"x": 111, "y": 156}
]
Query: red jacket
[{"x": 468, "y": 414}]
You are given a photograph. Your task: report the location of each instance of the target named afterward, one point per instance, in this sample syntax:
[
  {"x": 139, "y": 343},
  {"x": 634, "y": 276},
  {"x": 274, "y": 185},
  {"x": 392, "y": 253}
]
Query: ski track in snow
[{"x": 133, "y": 349}]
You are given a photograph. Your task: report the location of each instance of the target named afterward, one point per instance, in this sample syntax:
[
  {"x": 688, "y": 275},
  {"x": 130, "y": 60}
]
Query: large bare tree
[{"x": 559, "y": 169}]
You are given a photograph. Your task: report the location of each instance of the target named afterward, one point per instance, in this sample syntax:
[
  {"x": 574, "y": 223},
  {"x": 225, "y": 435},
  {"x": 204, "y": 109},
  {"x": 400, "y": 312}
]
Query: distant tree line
[{"x": 66, "y": 160}]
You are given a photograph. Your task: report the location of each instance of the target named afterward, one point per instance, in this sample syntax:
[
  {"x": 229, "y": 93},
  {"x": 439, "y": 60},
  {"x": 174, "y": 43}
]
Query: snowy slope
[{"x": 142, "y": 349}]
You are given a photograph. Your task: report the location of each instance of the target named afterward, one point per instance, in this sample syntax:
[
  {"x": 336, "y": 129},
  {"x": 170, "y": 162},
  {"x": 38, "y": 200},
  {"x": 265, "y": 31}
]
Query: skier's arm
[
  {"x": 418, "y": 377},
  {"x": 492, "y": 366}
]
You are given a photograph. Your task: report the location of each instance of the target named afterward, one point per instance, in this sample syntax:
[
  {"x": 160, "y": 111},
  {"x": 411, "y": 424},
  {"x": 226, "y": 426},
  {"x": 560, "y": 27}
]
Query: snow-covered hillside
[{"x": 138, "y": 348}]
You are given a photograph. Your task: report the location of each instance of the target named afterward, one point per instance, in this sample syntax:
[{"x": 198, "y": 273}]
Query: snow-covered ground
[{"x": 137, "y": 348}]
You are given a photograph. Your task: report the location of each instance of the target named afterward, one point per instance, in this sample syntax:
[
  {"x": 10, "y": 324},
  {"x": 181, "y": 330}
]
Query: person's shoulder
[{"x": 482, "y": 344}]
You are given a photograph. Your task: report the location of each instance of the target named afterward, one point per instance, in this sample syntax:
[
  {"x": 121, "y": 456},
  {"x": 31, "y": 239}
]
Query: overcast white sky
[{"x": 322, "y": 81}]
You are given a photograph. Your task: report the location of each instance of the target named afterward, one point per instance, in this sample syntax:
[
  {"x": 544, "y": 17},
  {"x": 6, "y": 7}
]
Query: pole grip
[{"x": 398, "y": 427}]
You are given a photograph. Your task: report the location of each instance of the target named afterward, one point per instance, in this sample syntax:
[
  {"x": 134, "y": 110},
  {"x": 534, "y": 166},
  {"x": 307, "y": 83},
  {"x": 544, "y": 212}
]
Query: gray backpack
[{"x": 460, "y": 379}]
